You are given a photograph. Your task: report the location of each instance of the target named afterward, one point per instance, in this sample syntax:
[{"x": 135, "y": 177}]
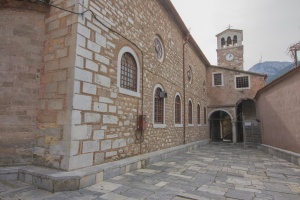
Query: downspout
[{"x": 183, "y": 68}]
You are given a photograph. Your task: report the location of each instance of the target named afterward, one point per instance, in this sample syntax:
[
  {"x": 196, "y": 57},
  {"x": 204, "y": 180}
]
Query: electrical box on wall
[{"x": 142, "y": 120}]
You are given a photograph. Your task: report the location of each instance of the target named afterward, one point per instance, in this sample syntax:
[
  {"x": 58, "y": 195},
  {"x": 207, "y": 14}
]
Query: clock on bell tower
[{"x": 230, "y": 51}]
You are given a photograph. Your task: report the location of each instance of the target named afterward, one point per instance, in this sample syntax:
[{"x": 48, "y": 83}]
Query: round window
[{"x": 158, "y": 49}]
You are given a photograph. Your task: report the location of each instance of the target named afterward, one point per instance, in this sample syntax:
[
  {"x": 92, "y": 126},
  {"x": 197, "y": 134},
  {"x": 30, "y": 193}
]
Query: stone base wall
[
  {"x": 21, "y": 47},
  {"x": 281, "y": 153}
]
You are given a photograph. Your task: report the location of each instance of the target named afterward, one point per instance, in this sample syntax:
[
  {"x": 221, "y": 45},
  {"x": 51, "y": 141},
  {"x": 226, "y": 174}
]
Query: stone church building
[{"x": 115, "y": 79}]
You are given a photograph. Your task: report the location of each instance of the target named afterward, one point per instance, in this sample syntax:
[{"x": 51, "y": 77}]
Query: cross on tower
[{"x": 229, "y": 26}]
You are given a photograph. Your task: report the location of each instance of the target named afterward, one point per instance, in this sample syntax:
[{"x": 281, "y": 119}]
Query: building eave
[
  {"x": 240, "y": 71},
  {"x": 234, "y": 30}
]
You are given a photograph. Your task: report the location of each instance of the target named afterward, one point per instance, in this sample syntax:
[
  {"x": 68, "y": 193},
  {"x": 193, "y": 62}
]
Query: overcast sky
[{"x": 269, "y": 26}]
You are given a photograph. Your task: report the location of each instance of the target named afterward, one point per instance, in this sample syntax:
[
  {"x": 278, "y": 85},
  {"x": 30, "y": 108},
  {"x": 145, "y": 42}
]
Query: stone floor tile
[
  {"x": 161, "y": 184},
  {"x": 215, "y": 171},
  {"x": 103, "y": 187},
  {"x": 295, "y": 189},
  {"x": 213, "y": 189},
  {"x": 238, "y": 194},
  {"x": 277, "y": 187},
  {"x": 137, "y": 193},
  {"x": 113, "y": 196},
  {"x": 148, "y": 171}
]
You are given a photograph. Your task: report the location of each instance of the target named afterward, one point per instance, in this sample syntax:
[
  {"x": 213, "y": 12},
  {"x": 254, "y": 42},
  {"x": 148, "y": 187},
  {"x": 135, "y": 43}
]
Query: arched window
[
  {"x": 222, "y": 42},
  {"x": 177, "y": 110},
  {"x": 128, "y": 79},
  {"x": 190, "y": 119},
  {"x": 234, "y": 40},
  {"x": 158, "y": 107},
  {"x": 189, "y": 74},
  {"x": 229, "y": 42},
  {"x": 204, "y": 115},
  {"x": 198, "y": 114}
]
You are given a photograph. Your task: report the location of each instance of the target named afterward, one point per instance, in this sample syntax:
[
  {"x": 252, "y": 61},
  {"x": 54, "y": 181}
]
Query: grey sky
[{"x": 269, "y": 26}]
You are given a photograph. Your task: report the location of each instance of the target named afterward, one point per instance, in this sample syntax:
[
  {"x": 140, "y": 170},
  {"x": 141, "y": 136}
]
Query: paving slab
[{"x": 214, "y": 171}]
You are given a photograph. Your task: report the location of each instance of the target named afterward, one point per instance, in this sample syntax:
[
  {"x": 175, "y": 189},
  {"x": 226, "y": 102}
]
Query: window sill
[
  {"x": 178, "y": 125},
  {"x": 199, "y": 124},
  {"x": 159, "y": 125},
  {"x": 189, "y": 125},
  {"x": 129, "y": 92}
]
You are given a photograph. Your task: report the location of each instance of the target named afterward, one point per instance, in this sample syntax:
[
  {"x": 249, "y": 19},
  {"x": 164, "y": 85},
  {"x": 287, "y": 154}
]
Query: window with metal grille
[
  {"x": 204, "y": 115},
  {"x": 190, "y": 112},
  {"x": 218, "y": 79},
  {"x": 177, "y": 110},
  {"x": 198, "y": 114},
  {"x": 158, "y": 107},
  {"x": 242, "y": 82},
  {"x": 128, "y": 78}
]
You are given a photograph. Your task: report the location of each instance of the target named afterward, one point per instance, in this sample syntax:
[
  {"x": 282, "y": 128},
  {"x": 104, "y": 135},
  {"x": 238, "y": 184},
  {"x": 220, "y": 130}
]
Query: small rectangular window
[
  {"x": 217, "y": 79},
  {"x": 242, "y": 82}
]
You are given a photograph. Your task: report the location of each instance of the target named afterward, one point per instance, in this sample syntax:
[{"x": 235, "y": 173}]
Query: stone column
[{"x": 233, "y": 133}]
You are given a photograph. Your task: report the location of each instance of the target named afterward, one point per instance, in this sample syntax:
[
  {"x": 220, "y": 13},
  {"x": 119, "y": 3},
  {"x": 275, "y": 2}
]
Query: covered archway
[
  {"x": 247, "y": 125},
  {"x": 221, "y": 126}
]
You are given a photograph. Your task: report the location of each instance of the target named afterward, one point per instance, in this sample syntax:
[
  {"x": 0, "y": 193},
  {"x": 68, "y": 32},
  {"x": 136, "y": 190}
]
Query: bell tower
[{"x": 230, "y": 51}]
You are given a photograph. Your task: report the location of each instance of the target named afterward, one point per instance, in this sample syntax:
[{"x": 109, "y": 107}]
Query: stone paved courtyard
[{"x": 215, "y": 171}]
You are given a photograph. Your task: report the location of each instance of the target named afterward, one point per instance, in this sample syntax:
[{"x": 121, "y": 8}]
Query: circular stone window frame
[{"x": 157, "y": 37}]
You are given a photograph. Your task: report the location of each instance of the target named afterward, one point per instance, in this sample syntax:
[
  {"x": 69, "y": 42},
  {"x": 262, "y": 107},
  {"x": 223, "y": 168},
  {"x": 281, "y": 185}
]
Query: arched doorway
[
  {"x": 220, "y": 126},
  {"x": 247, "y": 127}
]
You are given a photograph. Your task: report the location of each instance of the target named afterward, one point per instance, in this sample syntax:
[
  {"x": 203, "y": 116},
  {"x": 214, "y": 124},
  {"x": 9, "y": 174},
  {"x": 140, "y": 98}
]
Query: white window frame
[
  {"x": 181, "y": 124},
  {"x": 249, "y": 86},
  {"x": 153, "y": 109},
  {"x": 123, "y": 90},
  {"x": 213, "y": 79},
  {"x": 192, "y": 124}
]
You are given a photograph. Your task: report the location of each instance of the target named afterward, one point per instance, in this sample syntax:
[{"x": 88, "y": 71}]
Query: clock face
[{"x": 229, "y": 57}]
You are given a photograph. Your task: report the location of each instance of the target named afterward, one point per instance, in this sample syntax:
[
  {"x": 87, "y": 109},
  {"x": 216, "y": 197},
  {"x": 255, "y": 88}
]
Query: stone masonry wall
[
  {"x": 237, "y": 62},
  {"x": 227, "y": 94},
  {"x": 53, "y": 145},
  {"x": 21, "y": 47},
  {"x": 107, "y": 127},
  {"x": 196, "y": 90}
]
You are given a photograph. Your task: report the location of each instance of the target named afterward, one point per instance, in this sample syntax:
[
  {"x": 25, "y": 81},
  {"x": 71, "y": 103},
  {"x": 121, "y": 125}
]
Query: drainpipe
[{"x": 183, "y": 68}]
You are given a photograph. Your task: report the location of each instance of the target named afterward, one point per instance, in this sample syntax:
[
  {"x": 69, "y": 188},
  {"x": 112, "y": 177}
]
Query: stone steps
[{"x": 54, "y": 180}]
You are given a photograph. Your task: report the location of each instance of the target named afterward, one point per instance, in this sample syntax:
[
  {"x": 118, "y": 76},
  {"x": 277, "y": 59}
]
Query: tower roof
[{"x": 229, "y": 30}]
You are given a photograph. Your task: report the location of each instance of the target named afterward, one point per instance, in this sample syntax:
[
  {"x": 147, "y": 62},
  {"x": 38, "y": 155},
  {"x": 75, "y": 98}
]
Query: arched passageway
[
  {"x": 247, "y": 126},
  {"x": 220, "y": 126}
]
